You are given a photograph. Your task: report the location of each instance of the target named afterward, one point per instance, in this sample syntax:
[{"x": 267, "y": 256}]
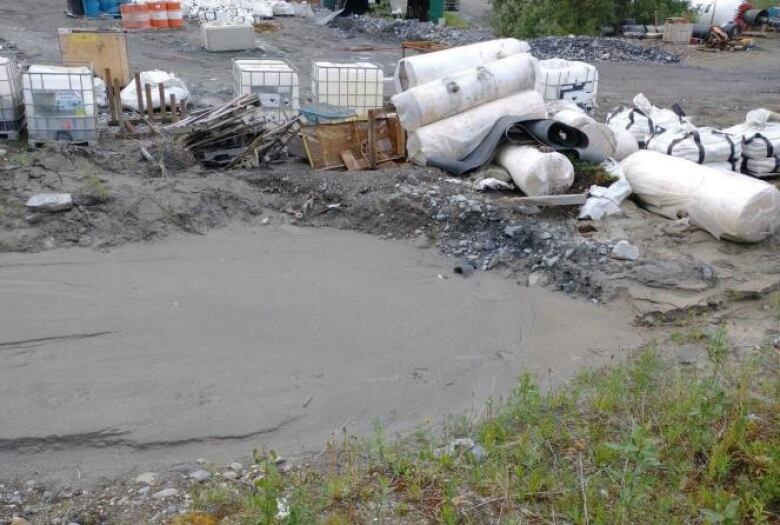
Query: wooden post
[
  {"x": 372, "y": 139},
  {"x": 163, "y": 101},
  {"x": 174, "y": 112},
  {"x": 149, "y": 105},
  {"x": 110, "y": 97},
  {"x": 139, "y": 92},
  {"x": 120, "y": 116}
]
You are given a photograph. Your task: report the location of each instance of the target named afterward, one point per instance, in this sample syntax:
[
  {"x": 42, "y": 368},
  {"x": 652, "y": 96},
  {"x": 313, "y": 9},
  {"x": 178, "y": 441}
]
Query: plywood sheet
[{"x": 100, "y": 48}]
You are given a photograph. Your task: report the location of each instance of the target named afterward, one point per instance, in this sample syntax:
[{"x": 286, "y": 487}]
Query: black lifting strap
[
  {"x": 650, "y": 125},
  {"x": 696, "y": 140},
  {"x": 732, "y": 146}
]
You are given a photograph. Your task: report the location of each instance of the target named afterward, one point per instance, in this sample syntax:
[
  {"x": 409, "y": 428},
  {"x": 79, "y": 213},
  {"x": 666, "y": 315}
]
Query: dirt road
[{"x": 156, "y": 354}]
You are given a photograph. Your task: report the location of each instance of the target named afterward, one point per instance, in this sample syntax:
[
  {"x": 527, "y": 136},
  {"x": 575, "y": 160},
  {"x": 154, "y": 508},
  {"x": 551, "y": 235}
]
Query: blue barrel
[
  {"x": 91, "y": 7},
  {"x": 109, "y": 6}
]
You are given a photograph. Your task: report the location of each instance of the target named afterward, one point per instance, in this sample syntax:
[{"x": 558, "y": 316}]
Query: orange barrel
[
  {"x": 159, "y": 12},
  {"x": 142, "y": 16},
  {"x": 129, "y": 17},
  {"x": 175, "y": 14}
]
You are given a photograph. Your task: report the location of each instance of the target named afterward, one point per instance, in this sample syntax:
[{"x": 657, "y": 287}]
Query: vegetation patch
[{"x": 641, "y": 442}]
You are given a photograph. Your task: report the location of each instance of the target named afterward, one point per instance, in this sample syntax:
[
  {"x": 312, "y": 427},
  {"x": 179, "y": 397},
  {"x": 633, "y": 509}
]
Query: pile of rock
[
  {"x": 411, "y": 30},
  {"x": 592, "y": 49}
]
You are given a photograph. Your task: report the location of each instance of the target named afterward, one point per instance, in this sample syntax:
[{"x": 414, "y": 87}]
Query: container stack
[
  {"x": 59, "y": 103},
  {"x": 275, "y": 81},
  {"x": 11, "y": 105},
  {"x": 356, "y": 85}
]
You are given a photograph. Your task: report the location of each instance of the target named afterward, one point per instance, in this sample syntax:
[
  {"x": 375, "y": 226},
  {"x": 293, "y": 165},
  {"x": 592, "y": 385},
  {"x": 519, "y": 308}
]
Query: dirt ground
[{"x": 132, "y": 226}]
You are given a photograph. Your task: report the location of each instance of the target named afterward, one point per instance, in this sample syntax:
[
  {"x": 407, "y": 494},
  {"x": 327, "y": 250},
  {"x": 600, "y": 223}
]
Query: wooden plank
[
  {"x": 139, "y": 91},
  {"x": 349, "y": 160},
  {"x": 174, "y": 112},
  {"x": 149, "y": 105},
  {"x": 372, "y": 139},
  {"x": 120, "y": 115},
  {"x": 163, "y": 100},
  {"x": 568, "y": 199},
  {"x": 100, "y": 48}
]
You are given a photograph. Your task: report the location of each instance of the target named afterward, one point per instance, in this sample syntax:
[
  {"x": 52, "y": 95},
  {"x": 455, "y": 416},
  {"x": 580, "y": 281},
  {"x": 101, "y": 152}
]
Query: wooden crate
[
  {"x": 348, "y": 144},
  {"x": 101, "y": 48},
  {"x": 677, "y": 32}
]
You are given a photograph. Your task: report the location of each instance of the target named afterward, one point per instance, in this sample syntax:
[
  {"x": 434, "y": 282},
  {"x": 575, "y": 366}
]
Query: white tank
[
  {"x": 275, "y": 81},
  {"x": 715, "y": 12},
  {"x": 355, "y": 85},
  {"x": 467, "y": 89},
  {"x": 455, "y": 137}
]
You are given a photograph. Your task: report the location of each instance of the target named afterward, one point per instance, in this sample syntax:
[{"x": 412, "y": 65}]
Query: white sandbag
[
  {"x": 604, "y": 201},
  {"x": 626, "y": 144},
  {"x": 427, "y": 67},
  {"x": 760, "y": 134},
  {"x": 456, "y": 136},
  {"x": 699, "y": 145},
  {"x": 282, "y": 8},
  {"x": 467, "y": 89},
  {"x": 173, "y": 86},
  {"x": 761, "y": 166},
  {"x": 644, "y": 120},
  {"x": 729, "y": 206},
  {"x": 536, "y": 172},
  {"x": 558, "y": 79}
]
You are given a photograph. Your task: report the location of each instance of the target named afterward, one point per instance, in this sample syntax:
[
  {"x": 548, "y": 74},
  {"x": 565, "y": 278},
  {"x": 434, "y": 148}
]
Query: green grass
[
  {"x": 453, "y": 20},
  {"x": 641, "y": 442}
]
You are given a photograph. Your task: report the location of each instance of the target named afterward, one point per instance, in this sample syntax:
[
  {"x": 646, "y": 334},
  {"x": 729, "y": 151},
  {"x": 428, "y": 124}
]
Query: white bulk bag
[
  {"x": 729, "y": 206},
  {"x": 761, "y": 166},
  {"x": 173, "y": 86},
  {"x": 536, "y": 172},
  {"x": 467, "y": 89},
  {"x": 420, "y": 69},
  {"x": 644, "y": 120},
  {"x": 455, "y": 137},
  {"x": 558, "y": 79},
  {"x": 760, "y": 134},
  {"x": 699, "y": 145}
]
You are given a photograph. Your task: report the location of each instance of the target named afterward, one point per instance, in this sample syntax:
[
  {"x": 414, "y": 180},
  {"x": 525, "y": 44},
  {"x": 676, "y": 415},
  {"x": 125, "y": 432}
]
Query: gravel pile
[
  {"x": 590, "y": 49},
  {"x": 411, "y": 30}
]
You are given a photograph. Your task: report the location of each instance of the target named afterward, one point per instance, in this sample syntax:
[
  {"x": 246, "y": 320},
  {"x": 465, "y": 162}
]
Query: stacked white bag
[
  {"x": 449, "y": 100},
  {"x": 760, "y": 135},
  {"x": 728, "y": 205},
  {"x": 708, "y": 146},
  {"x": 644, "y": 120}
]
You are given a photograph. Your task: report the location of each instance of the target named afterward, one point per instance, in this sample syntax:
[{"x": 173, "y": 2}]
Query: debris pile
[
  {"x": 236, "y": 133},
  {"x": 590, "y": 49}
]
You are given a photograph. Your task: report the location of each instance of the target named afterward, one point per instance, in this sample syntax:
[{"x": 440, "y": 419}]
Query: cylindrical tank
[
  {"x": 159, "y": 14},
  {"x": 175, "y": 14},
  {"x": 715, "y": 12}
]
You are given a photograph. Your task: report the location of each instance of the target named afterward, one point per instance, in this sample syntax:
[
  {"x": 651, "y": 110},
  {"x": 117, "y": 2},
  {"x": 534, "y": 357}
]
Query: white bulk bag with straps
[
  {"x": 536, "y": 172},
  {"x": 760, "y": 134},
  {"x": 464, "y": 90},
  {"x": 763, "y": 166},
  {"x": 644, "y": 120},
  {"x": 728, "y": 205},
  {"x": 699, "y": 145}
]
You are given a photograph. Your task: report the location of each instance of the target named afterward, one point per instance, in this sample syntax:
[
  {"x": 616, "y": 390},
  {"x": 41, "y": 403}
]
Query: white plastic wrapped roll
[
  {"x": 600, "y": 137},
  {"x": 456, "y": 136},
  {"x": 427, "y": 67},
  {"x": 729, "y": 206},
  {"x": 461, "y": 91},
  {"x": 536, "y": 172}
]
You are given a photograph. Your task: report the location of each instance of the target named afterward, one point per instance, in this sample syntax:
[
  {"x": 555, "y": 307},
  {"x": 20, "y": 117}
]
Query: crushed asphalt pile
[
  {"x": 411, "y": 30},
  {"x": 585, "y": 48},
  {"x": 590, "y": 49}
]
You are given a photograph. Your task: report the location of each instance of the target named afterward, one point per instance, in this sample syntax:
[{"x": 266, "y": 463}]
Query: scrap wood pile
[{"x": 235, "y": 134}]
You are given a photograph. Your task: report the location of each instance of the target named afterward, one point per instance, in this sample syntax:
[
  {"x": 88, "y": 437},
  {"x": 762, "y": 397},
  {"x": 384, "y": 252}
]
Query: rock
[
  {"x": 230, "y": 474},
  {"x": 147, "y": 478},
  {"x": 423, "y": 241},
  {"x": 144, "y": 491},
  {"x": 172, "y": 509},
  {"x": 200, "y": 461},
  {"x": 776, "y": 342},
  {"x": 625, "y": 251},
  {"x": 200, "y": 475},
  {"x": 687, "y": 354},
  {"x": 3, "y": 152},
  {"x": 464, "y": 268},
  {"x": 19, "y": 521},
  {"x": 537, "y": 279},
  {"x": 236, "y": 466},
  {"x": 165, "y": 493},
  {"x": 479, "y": 453},
  {"x": 50, "y": 202}
]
